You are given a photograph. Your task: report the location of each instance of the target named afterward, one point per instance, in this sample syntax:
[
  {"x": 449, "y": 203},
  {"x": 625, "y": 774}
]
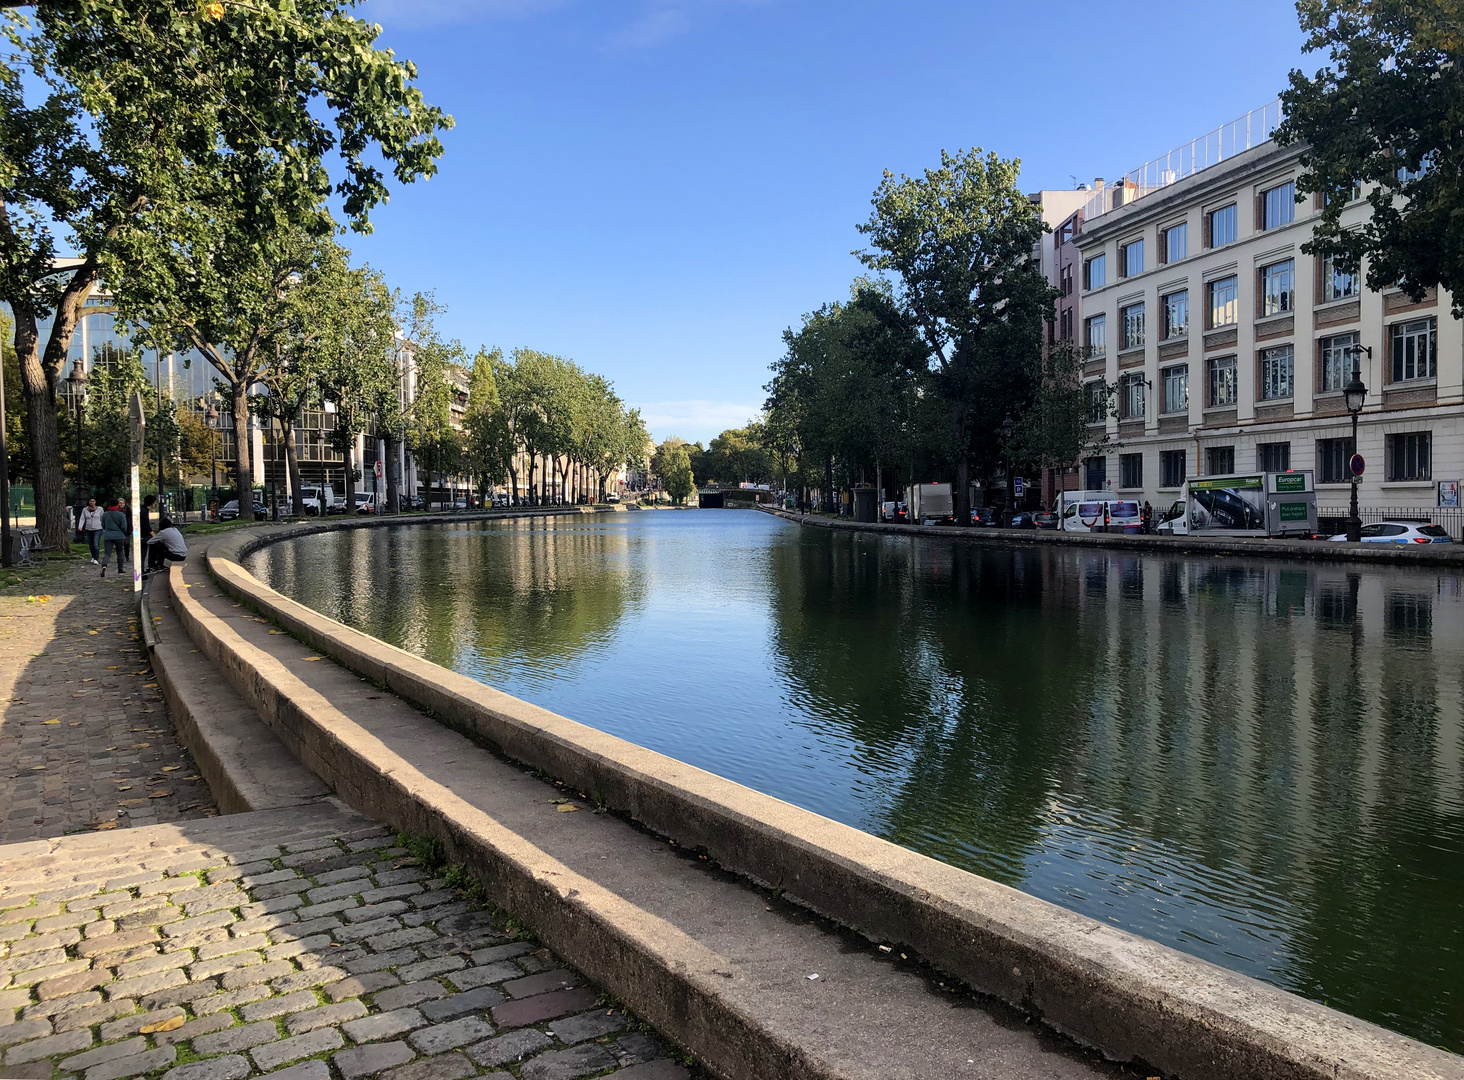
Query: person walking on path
[
  {"x": 91, "y": 525},
  {"x": 116, "y": 531},
  {"x": 167, "y": 544}
]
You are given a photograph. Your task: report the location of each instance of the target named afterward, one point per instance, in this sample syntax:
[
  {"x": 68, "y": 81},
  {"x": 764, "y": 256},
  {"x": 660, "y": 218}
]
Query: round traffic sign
[{"x": 1356, "y": 464}]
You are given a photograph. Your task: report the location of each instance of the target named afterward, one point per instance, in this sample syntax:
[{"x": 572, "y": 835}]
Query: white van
[
  {"x": 317, "y": 499},
  {"x": 1090, "y": 511}
]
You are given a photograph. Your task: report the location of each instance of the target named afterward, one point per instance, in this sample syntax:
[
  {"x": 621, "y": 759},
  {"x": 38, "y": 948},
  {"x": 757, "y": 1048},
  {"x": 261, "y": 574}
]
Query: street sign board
[
  {"x": 378, "y": 470},
  {"x": 1357, "y": 464},
  {"x": 1019, "y": 486}
]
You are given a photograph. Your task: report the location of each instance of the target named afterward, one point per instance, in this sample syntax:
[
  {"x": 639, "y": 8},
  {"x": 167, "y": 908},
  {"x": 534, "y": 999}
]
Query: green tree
[
  {"x": 672, "y": 464},
  {"x": 1385, "y": 112},
  {"x": 136, "y": 115},
  {"x": 423, "y": 418},
  {"x": 488, "y": 443},
  {"x": 959, "y": 240}
]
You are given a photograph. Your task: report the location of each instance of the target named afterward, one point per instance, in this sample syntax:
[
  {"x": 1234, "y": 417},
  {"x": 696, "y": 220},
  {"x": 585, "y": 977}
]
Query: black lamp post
[
  {"x": 1007, "y": 427},
  {"x": 211, "y": 414},
  {"x": 78, "y": 380},
  {"x": 1354, "y": 393}
]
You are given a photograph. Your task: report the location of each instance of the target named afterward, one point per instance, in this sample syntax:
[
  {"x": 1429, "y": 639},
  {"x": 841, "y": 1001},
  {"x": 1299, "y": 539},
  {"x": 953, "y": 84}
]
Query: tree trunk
[
  {"x": 963, "y": 464},
  {"x": 292, "y": 464},
  {"x": 393, "y": 488},
  {"x": 350, "y": 478},
  {"x": 512, "y": 485},
  {"x": 243, "y": 466},
  {"x": 828, "y": 491}
]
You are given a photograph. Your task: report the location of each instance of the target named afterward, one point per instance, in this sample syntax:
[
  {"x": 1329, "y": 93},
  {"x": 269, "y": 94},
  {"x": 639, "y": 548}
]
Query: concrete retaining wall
[
  {"x": 1133, "y": 998},
  {"x": 1450, "y": 555}
]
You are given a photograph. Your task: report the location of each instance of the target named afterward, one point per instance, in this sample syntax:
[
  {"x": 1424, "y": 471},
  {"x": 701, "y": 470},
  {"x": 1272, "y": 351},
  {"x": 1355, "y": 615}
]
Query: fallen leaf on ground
[
  {"x": 171, "y": 768},
  {"x": 566, "y": 808},
  {"x": 172, "y": 1023},
  {"x": 313, "y": 658},
  {"x": 160, "y": 794},
  {"x": 37, "y": 768},
  {"x": 105, "y": 825},
  {"x": 50, "y": 721}
]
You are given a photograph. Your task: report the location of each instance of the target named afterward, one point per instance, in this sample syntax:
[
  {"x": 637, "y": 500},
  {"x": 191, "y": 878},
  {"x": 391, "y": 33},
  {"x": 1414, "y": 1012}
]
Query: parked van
[
  {"x": 932, "y": 504},
  {"x": 317, "y": 500},
  {"x": 1097, "y": 511}
]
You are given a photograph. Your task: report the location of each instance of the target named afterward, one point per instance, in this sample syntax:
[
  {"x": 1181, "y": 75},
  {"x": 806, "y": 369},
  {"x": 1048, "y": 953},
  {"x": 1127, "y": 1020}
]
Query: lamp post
[
  {"x": 211, "y": 415},
  {"x": 1354, "y": 393},
  {"x": 77, "y": 379},
  {"x": 1007, "y": 427}
]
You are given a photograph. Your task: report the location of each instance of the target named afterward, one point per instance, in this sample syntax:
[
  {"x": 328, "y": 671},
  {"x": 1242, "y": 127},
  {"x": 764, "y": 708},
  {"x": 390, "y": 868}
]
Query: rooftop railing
[{"x": 1227, "y": 140}]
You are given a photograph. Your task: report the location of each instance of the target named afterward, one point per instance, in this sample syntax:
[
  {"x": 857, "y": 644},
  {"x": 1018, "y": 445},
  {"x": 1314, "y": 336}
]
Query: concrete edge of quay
[
  {"x": 1423, "y": 555},
  {"x": 1132, "y": 998}
]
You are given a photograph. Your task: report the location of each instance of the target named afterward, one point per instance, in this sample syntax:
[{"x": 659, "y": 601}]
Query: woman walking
[
  {"x": 91, "y": 525},
  {"x": 116, "y": 531}
]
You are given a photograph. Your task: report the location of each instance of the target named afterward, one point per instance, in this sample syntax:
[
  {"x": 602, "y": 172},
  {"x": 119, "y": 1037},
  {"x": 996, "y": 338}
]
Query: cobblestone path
[
  {"x": 297, "y": 944},
  {"x": 85, "y": 741}
]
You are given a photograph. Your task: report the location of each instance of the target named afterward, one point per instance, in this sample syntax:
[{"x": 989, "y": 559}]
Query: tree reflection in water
[{"x": 1257, "y": 762}]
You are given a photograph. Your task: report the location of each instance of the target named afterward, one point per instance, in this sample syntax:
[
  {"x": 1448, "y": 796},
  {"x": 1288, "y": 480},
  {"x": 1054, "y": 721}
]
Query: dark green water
[{"x": 1260, "y": 763}]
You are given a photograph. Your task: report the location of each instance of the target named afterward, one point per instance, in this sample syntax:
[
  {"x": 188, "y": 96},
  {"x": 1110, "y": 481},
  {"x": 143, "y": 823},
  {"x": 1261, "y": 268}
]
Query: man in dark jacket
[
  {"x": 116, "y": 532},
  {"x": 147, "y": 504}
]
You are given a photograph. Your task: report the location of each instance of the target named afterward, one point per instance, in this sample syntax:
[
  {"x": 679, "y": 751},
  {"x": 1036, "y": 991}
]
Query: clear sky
[{"x": 657, "y": 188}]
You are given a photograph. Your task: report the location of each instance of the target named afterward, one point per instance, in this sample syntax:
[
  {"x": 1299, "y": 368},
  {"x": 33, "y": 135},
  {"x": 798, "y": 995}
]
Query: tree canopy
[{"x": 1385, "y": 113}]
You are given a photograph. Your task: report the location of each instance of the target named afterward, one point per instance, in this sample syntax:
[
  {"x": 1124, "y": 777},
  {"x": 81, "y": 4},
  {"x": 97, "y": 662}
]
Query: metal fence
[
  {"x": 1211, "y": 148},
  {"x": 1333, "y": 519}
]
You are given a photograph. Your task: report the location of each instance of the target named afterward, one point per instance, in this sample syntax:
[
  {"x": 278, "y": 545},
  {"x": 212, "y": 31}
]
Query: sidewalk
[{"x": 85, "y": 741}]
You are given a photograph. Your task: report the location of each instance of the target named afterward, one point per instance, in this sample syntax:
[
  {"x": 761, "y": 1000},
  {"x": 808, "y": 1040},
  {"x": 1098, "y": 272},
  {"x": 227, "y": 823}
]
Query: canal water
[{"x": 1257, "y": 762}]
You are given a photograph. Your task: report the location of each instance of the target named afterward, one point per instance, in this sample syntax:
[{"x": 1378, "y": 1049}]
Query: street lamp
[
  {"x": 1007, "y": 427},
  {"x": 77, "y": 379},
  {"x": 1354, "y": 393},
  {"x": 211, "y": 415}
]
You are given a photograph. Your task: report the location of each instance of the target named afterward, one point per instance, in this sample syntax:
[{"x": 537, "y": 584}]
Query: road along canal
[{"x": 1257, "y": 762}]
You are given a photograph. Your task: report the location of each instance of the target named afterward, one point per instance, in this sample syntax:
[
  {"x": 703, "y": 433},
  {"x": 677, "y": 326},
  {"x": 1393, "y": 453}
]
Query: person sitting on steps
[{"x": 167, "y": 545}]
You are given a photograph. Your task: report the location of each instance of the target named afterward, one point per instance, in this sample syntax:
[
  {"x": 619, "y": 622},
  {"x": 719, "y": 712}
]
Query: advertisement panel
[{"x": 1227, "y": 502}]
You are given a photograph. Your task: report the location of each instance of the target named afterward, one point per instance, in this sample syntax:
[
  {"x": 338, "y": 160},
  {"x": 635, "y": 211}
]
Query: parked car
[
  {"x": 1401, "y": 532},
  {"x": 314, "y": 498},
  {"x": 365, "y": 502},
  {"x": 500, "y": 499},
  {"x": 610, "y": 497},
  {"x": 987, "y": 517},
  {"x": 1023, "y": 519},
  {"x": 230, "y": 510},
  {"x": 1046, "y": 519},
  {"x": 893, "y": 511},
  {"x": 416, "y": 502}
]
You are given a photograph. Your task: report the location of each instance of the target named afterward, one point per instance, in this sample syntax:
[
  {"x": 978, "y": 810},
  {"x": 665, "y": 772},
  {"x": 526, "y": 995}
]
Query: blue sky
[{"x": 657, "y": 188}]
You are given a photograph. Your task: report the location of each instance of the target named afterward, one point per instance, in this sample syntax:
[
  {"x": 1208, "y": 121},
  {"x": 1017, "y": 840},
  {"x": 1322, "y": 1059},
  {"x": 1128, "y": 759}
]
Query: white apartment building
[{"x": 1230, "y": 347}]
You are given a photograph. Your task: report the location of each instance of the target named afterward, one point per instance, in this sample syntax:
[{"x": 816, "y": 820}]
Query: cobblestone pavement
[
  {"x": 85, "y": 740},
  {"x": 326, "y": 953}
]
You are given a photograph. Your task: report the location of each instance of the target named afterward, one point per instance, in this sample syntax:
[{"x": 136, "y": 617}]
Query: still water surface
[{"x": 1256, "y": 762}]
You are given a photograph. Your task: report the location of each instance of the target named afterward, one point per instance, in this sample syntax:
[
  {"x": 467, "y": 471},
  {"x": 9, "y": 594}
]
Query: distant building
[{"x": 1230, "y": 347}]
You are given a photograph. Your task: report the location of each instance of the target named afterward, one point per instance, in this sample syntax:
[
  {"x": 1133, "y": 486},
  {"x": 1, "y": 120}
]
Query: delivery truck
[
  {"x": 1246, "y": 504},
  {"x": 932, "y": 504}
]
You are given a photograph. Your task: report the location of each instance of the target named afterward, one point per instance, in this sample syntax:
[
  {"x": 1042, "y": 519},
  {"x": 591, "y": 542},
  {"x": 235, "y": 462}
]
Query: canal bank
[
  {"x": 1441, "y": 555},
  {"x": 1131, "y": 997}
]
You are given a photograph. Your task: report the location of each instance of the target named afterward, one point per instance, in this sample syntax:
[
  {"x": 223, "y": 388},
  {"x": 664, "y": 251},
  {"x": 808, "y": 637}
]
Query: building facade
[{"x": 1230, "y": 347}]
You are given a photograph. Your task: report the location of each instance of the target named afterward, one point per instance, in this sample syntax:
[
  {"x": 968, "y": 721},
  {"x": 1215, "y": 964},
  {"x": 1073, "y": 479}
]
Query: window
[
  {"x": 1337, "y": 281},
  {"x": 1065, "y": 321},
  {"x": 1332, "y": 458},
  {"x": 1176, "y": 314},
  {"x": 1336, "y": 360},
  {"x": 1276, "y": 372},
  {"x": 1220, "y": 225},
  {"x": 1131, "y": 258},
  {"x": 1095, "y": 272},
  {"x": 1405, "y": 174},
  {"x": 1415, "y": 350},
  {"x": 1222, "y": 382},
  {"x": 1171, "y": 468},
  {"x": 1219, "y": 460},
  {"x": 1274, "y": 456},
  {"x": 1097, "y": 335},
  {"x": 1095, "y": 473},
  {"x": 1065, "y": 279},
  {"x": 1224, "y": 310},
  {"x": 1130, "y": 470},
  {"x": 1409, "y": 456},
  {"x": 1175, "y": 242},
  {"x": 1131, "y": 402},
  {"x": 1278, "y": 287},
  {"x": 1097, "y": 403},
  {"x": 1176, "y": 389},
  {"x": 1278, "y": 206},
  {"x": 1351, "y": 194},
  {"x": 1133, "y": 326}
]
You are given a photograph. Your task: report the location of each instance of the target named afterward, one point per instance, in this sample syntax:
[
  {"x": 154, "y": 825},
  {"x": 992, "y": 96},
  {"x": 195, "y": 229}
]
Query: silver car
[{"x": 1401, "y": 532}]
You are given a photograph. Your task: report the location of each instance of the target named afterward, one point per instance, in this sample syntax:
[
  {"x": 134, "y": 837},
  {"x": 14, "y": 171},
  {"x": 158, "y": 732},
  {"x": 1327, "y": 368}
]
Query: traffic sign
[
  {"x": 1357, "y": 464},
  {"x": 1019, "y": 486},
  {"x": 378, "y": 470}
]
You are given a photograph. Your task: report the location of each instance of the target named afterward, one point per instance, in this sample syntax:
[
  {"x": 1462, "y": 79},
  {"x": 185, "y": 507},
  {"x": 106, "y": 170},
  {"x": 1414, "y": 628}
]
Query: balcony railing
[{"x": 1227, "y": 140}]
